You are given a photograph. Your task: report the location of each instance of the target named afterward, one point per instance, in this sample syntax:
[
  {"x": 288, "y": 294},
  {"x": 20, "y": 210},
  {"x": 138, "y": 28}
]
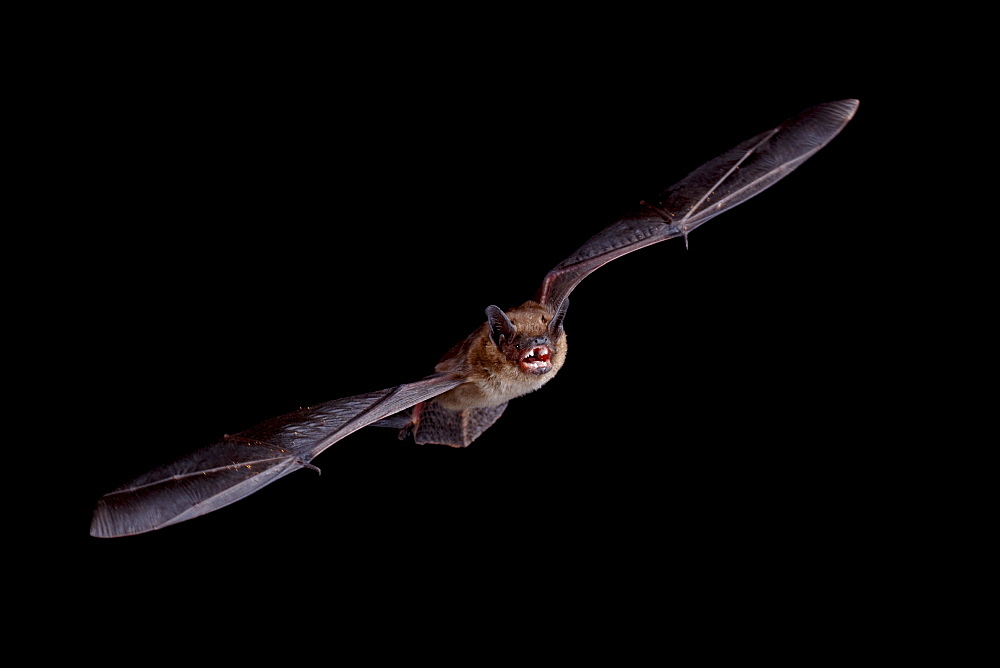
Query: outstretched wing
[
  {"x": 239, "y": 465},
  {"x": 732, "y": 178}
]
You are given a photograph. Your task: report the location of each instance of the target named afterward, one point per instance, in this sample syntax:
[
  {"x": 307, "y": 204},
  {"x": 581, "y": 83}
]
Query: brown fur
[{"x": 492, "y": 378}]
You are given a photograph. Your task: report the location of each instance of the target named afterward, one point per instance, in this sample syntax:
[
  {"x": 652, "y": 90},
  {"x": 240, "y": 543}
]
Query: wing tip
[
  {"x": 850, "y": 106},
  {"x": 843, "y": 110},
  {"x": 111, "y": 523}
]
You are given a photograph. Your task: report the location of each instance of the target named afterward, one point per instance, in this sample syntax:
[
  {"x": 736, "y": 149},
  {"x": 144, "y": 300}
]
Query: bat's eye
[{"x": 517, "y": 346}]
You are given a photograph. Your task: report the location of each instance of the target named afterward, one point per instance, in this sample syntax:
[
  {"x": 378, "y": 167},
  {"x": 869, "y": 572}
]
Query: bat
[{"x": 512, "y": 353}]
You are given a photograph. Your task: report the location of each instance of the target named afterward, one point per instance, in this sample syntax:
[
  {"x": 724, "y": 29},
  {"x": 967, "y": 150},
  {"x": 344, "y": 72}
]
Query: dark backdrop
[{"x": 284, "y": 221}]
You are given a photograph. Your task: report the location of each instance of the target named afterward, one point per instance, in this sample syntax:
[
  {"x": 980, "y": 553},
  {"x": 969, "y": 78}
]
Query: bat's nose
[{"x": 536, "y": 341}]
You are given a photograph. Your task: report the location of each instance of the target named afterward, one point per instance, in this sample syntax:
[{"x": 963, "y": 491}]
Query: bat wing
[
  {"x": 718, "y": 185},
  {"x": 239, "y": 465}
]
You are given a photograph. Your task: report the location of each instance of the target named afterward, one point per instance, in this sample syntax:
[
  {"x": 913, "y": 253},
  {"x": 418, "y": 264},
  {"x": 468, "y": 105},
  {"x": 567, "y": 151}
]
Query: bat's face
[
  {"x": 523, "y": 337},
  {"x": 530, "y": 354}
]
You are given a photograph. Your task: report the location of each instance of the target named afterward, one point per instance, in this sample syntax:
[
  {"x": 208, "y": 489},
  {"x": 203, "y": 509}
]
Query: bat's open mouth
[{"x": 537, "y": 360}]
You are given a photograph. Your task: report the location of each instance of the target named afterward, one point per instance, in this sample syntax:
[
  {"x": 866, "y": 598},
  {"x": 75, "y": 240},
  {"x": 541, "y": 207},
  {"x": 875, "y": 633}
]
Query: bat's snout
[{"x": 536, "y": 355}]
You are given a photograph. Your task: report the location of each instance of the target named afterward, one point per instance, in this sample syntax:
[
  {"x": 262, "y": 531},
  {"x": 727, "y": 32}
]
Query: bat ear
[
  {"x": 501, "y": 328},
  {"x": 555, "y": 325}
]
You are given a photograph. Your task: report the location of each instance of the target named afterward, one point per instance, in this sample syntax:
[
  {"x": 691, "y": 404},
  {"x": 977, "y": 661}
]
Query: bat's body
[
  {"x": 528, "y": 356},
  {"x": 511, "y": 354}
]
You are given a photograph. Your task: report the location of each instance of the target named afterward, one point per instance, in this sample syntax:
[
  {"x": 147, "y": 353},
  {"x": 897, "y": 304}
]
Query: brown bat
[{"x": 513, "y": 353}]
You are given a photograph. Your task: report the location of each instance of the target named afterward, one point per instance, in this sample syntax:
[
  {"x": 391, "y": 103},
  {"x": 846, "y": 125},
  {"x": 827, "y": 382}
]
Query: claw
[{"x": 313, "y": 467}]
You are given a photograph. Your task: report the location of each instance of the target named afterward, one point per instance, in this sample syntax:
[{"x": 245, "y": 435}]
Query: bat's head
[{"x": 523, "y": 338}]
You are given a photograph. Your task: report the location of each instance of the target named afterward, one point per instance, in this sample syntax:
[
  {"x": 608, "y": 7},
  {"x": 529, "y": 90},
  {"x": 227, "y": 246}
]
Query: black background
[{"x": 280, "y": 216}]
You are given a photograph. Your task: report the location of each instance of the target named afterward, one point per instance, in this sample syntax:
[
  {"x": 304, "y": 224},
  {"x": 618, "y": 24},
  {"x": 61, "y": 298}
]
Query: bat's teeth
[{"x": 537, "y": 359}]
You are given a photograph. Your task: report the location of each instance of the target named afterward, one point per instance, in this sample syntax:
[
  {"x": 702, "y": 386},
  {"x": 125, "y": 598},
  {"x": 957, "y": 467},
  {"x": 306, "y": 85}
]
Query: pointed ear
[
  {"x": 556, "y": 324},
  {"x": 501, "y": 328}
]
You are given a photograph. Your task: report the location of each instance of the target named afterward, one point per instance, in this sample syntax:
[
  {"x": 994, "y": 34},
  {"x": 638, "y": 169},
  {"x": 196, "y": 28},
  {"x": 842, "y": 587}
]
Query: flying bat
[{"x": 513, "y": 353}]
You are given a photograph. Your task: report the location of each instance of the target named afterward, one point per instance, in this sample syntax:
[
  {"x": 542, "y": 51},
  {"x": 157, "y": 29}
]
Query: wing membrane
[
  {"x": 718, "y": 185},
  {"x": 239, "y": 465}
]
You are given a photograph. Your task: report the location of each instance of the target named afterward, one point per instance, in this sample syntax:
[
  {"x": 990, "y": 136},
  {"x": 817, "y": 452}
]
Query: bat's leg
[
  {"x": 398, "y": 420},
  {"x": 428, "y": 422},
  {"x": 434, "y": 424}
]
